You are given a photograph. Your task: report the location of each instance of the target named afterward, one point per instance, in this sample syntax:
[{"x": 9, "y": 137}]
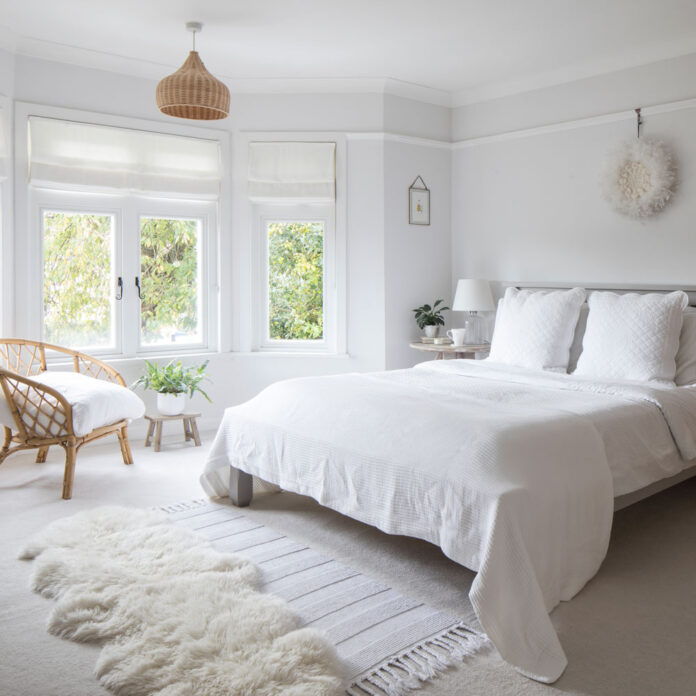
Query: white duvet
[{"x": 508, "y": 470}]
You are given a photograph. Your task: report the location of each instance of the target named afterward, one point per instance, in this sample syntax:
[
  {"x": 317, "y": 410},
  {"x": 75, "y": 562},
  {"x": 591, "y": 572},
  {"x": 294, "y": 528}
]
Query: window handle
[
  {"x": 119, "y": 288},
  {"x": 137, "y": 285}
]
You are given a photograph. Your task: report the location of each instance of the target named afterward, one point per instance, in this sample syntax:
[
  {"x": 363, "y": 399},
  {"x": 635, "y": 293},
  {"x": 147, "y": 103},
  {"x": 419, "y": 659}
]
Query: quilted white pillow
[
  {"x": 535, "y": 328},
  {"x": 632, "y": 337}
]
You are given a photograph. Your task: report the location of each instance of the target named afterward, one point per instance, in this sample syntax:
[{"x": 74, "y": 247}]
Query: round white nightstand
[{"x": 468, "y": 350}]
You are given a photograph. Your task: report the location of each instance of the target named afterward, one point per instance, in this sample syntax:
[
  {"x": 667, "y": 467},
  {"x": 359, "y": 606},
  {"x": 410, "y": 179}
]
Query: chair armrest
[
  {"x": 93, "y": 367},
  {"x": 40, "y": 412}
]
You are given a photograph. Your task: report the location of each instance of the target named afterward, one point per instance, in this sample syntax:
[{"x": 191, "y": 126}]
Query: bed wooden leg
[{"x": 241, "y": 487}]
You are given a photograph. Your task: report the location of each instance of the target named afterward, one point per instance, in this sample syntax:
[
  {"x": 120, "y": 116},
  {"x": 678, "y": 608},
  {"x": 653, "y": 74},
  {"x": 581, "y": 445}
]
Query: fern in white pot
[{"x": 173, "y": 383}]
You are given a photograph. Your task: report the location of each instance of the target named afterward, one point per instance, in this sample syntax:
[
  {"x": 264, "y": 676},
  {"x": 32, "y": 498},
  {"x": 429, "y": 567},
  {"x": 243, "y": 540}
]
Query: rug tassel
[{"x": 403, "y": 673}]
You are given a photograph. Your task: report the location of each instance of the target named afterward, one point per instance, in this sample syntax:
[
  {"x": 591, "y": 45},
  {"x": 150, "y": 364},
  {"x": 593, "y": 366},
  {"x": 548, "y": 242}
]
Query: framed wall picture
[{"x": 418, "y": 203}]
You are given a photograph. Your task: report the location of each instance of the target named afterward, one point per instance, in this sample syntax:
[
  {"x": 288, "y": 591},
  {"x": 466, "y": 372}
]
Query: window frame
[
  {"x": 265, "y": 213},
  {"x": 127, "y": 211}
]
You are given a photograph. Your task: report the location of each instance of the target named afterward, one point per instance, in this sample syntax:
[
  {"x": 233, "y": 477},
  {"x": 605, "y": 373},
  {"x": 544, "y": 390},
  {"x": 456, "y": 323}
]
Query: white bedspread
[{"x": 505, "y": 469}]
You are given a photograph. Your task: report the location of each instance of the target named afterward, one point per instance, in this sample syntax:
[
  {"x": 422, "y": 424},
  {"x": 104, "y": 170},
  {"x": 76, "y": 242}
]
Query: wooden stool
[{"x": 156, "y": 420}]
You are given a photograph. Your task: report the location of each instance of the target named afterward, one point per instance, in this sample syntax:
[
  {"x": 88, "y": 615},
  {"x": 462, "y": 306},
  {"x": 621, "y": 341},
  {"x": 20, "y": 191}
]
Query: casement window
[
  {"x": 127, "y": 224},
  {"x": 292, "y": 189}
]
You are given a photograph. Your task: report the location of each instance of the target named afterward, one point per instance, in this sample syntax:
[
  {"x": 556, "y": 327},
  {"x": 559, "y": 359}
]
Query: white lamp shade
[{"x": 473, "y": 296}]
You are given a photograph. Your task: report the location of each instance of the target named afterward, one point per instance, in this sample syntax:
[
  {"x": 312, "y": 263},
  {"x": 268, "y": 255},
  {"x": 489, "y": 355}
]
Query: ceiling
[{"x": 471, "y": 49}]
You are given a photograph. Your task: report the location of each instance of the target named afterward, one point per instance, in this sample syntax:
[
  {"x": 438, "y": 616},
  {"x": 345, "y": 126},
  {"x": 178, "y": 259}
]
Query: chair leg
[
  {"x": 125, "y": 445},
  {"x": 70, "y": 457},
  {"x": 41, "y": 455},
  {"x": 5, "y": 450}
]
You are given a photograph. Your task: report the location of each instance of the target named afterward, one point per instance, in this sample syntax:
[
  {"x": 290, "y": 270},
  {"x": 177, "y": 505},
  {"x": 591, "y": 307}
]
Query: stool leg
[
  {"x": 194, "y": 432},
  {"x": 150, "y": 430},
  {"x": 158, "y": 436},
  {"x": 187, "y": 429}
]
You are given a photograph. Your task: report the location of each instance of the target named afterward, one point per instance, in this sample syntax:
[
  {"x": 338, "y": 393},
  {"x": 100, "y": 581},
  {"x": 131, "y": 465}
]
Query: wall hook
[{"x": 639, "y": 122}]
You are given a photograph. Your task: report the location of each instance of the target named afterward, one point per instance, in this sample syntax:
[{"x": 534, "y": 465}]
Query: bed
[{"x": 513, "y": 472}]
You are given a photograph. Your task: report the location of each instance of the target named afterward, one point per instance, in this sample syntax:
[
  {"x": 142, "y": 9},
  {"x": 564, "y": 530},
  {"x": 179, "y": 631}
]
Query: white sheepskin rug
[{"x": 174, "y": 616}]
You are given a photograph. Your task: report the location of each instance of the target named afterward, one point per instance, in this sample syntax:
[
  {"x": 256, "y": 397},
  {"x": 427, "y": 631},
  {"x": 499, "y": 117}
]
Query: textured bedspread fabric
[{"x": 505, "y": 469}]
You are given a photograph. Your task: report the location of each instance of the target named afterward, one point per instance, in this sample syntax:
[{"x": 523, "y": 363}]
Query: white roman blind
[
  {"x": 292, "y": 171},
  {"x": 86, "y": 155}
]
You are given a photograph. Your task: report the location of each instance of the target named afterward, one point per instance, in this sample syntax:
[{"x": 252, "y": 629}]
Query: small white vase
[
  {"x": 431, "y": 331},
  {"x": 171, "y": 404}
]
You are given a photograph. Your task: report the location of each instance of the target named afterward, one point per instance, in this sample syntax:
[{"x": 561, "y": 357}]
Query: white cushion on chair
[{"x": 94, "y": 402}]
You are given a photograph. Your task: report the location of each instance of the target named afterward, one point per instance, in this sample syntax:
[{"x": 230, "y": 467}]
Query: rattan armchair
[{"x": 42, "y": 416}]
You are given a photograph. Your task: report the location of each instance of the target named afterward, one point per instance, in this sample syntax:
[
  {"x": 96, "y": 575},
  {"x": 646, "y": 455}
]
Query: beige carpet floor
[{"x": 631, "y": 631}]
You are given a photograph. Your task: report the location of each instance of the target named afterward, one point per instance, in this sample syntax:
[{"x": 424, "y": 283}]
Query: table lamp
[{"x": 473, "y": 296}]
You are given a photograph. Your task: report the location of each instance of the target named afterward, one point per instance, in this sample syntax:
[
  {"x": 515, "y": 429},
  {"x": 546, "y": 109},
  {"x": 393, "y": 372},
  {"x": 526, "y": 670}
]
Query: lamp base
[{"x": 475, "y": 329}]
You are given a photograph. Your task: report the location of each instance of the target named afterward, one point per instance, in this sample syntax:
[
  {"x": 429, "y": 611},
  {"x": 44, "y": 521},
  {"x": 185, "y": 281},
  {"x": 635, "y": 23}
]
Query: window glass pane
[
  {"x": 295, "y": 280},
  {"x": 170, "y": 309},
  {"x": 77, "y": 279}
]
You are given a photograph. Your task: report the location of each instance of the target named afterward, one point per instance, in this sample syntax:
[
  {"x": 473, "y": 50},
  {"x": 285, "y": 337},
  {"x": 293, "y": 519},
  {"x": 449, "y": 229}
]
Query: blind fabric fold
[
  {"x": 88, "y": 155},
  {"x": 292, "y": 171}
]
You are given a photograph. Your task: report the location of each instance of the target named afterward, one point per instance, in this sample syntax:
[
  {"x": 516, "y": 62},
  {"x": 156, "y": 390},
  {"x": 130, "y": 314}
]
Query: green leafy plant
[
  {"x": 173, "y": 378},
  {"x": 430, "y": 316}
]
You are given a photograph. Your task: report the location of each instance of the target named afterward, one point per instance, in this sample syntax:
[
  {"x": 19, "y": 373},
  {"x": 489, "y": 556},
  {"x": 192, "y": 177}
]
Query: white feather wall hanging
[{"x": 639, "y": 176}]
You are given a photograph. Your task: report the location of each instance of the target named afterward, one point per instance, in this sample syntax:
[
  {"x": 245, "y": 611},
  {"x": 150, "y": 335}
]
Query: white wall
[
  {"x": 530, "y": 207},
  {"x": 417, "y": 265}
]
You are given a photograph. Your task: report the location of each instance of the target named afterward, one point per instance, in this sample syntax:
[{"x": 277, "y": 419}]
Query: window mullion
[{"x": 130, "y": 305}]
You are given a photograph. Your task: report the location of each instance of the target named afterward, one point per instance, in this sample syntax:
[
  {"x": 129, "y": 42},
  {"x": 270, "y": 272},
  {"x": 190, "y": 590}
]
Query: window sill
[{"x": 290, "y": 354}]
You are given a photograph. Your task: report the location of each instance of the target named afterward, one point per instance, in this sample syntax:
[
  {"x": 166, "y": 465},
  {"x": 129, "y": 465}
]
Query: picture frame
[{"x": 418, "y": 203}]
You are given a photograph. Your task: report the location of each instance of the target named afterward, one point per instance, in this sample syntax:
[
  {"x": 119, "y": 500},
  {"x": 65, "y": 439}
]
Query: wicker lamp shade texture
[{"x": 192, "y": 92}]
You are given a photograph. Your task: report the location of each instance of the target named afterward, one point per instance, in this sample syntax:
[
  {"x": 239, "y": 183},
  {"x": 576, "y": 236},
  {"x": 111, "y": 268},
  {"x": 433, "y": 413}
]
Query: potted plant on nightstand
[
  {"x": 173, "y": 383},
  {"x": 430, "y": 319}
]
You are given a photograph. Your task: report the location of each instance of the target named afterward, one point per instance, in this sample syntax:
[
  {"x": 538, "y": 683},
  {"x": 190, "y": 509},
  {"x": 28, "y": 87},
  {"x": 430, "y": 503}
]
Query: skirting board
[{"x": 623, "y": 501}]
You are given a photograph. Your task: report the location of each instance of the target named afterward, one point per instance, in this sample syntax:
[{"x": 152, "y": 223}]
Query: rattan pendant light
[{"x": 192, "y": 92}]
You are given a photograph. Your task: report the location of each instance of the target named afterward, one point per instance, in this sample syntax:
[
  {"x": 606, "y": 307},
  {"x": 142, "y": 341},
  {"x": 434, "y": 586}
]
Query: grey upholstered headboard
[{"x": 690, "y": 290}]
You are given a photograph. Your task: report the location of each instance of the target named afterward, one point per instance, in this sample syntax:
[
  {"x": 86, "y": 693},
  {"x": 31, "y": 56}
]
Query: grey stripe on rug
[{"x": 388, "y": 642}]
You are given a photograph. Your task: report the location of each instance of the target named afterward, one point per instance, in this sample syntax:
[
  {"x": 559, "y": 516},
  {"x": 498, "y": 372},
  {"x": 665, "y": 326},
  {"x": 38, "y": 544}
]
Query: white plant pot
[
  {"x": 171, "y": 404},
  {"x": 431, "y": 331}
]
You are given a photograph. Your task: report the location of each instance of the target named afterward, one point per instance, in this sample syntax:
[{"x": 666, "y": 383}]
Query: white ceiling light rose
[{"x": 192, "y": 92}]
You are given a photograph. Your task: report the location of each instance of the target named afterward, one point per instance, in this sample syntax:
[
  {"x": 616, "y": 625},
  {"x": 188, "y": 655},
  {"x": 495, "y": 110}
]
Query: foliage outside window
[
  {"x": 169, "y": 308},
  {"x": 77, "y": 251},
  {"x": 295, "y": 280}
]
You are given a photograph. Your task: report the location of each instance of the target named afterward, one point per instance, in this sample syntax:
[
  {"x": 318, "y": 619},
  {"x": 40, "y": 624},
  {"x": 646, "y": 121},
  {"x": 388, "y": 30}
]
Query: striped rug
[{"x": 389, "y": 643}]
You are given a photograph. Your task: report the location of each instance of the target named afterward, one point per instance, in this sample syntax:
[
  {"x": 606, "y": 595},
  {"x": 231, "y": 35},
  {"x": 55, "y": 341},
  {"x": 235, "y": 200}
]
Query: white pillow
[
  {"x": 94, "y": 402},
  {"x": 632, "y": 337},
  {"x": 686, "y": 355},
  {"x": 535, "y": 328}
]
